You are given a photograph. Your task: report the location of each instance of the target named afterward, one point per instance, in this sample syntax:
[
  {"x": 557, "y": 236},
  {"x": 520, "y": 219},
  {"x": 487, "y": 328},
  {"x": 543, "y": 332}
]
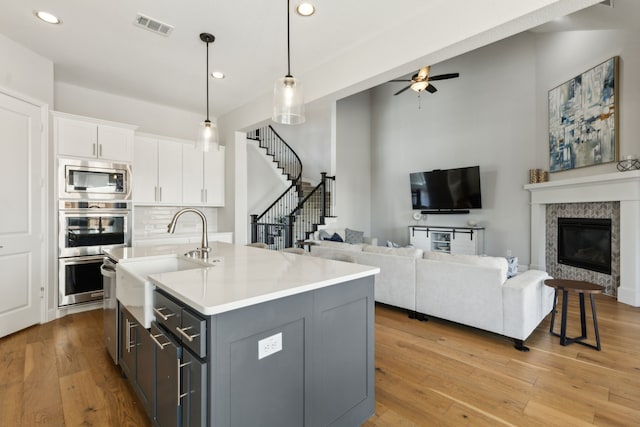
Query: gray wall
[
  {"x": 495, "y": 116},
  {"x": 353, "y": 163},
  {"x": 485, "y": 117}
]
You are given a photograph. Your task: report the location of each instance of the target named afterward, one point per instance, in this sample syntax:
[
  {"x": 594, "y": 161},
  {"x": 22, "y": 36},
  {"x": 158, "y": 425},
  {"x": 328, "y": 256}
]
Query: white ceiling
[{"x": 342, "y": 45}]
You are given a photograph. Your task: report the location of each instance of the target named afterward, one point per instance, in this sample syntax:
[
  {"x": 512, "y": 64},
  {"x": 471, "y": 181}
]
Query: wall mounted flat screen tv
[{"x": 447, "y": 189}]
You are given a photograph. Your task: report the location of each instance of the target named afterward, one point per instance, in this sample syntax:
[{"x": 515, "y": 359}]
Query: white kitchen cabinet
[
  {"x": 214, "y": 177},
  {"x": 454, "y": 240},
  {"x": 203, "y": 176},
  {"x": 157, "y": 170},
  {"x": 87, "y": 138}
]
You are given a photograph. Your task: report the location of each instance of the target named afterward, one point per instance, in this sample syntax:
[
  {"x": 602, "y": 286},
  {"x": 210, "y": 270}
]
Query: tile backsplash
[{"x": 151, "y": 221}]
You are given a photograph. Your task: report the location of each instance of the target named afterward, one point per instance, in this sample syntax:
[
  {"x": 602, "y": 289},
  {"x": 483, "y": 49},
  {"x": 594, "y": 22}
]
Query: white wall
[
  {"x": 265, "y": 182},
  {"x": 485, "y": 117},
  {"x": 562, "y": 56},
  {"x": 25, "y": 72},
  {"x": 312, "y": 140},
  {"x": 150, "y": 118}
]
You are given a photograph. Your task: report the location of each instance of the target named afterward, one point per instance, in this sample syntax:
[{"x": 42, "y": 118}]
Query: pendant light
[
  {"x": 208, "y": 133},
  {"x": 288, "y": 102}
]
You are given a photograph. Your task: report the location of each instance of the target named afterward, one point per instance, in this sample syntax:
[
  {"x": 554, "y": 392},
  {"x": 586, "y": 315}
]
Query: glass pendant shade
[
  {"x": 207, "y": 136},
  {"x": 288, "y": 101}
]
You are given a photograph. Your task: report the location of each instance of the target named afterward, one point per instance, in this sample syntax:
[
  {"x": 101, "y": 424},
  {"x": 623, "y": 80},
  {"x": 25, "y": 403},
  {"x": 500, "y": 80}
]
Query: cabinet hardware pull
[
  {"x": 128, "y": 334},
  {"x": 158, "y": 343},
  {"x": 93, "y": 149},
  {"x": 160, "y": 199},
  {"x": 100, "y": 150},
  {"x": 180, "y": 366},
  {"x": 165, "y": 317},
  {"x": 184, "y": 334}
]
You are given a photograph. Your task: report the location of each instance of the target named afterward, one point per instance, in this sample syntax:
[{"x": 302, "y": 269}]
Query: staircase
[{"x": 301, "y": 208}]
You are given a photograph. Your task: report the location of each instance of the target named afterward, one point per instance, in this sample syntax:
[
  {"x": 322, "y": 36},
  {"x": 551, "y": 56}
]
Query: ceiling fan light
[
  {"x": 207, "y": 136},
  {"x": 288, "y": 101},
  {"x": 419, "y": 86}
]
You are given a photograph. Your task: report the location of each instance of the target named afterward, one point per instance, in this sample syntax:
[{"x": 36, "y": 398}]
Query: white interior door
[{"x": 21, "y": 214}]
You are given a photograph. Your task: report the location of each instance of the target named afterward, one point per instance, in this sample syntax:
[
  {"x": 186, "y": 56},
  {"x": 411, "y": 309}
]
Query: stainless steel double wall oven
[{"x": 94, "y": 214}]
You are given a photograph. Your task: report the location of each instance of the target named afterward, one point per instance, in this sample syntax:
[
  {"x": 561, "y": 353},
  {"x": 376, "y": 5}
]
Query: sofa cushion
[
  {"x": 405, "y": 252},
  {"x": 339, "y": 245},
  {"x": 479, "y": 260},
  {"x": 353, "y": 236}
]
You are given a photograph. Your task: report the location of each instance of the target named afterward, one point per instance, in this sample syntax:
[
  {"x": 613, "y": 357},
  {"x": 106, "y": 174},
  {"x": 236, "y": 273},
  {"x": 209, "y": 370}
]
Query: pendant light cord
[
  {"x": 207, "y": 77},
  {"x": 288, "y": 43}
]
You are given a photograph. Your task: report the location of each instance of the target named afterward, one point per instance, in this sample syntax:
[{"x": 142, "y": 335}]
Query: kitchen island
[{"x": 263, "y": 338}]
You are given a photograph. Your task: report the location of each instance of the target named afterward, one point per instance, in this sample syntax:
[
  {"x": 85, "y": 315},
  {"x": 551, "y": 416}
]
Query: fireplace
[{"x": 585, "y": 243}]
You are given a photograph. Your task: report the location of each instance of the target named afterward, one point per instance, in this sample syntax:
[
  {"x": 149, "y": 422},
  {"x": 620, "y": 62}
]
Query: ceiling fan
[{"x": 421, "y": 81}]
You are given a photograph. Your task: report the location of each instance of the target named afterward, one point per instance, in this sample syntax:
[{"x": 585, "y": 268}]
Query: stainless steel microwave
[{"x": 87, "y": 179}]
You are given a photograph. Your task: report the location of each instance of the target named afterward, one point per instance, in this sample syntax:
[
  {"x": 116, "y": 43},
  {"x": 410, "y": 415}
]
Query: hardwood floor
[
  {"x": 59, "y": 374},
  {"x": 443, "y": 374},
  {"x": 427, "y": 373}
]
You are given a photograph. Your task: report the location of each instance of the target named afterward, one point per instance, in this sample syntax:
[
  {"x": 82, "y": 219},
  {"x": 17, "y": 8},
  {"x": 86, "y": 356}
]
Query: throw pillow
[
  {"x": 335, "y": 238},
  {"x": 323, "y": 235},
  {"x": 353, "y": 236}
]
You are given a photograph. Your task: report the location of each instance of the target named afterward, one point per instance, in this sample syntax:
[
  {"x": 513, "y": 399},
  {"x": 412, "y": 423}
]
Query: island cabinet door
[
  {"x": 167, "y": 403},
  {"x": 193, "y": 390}
]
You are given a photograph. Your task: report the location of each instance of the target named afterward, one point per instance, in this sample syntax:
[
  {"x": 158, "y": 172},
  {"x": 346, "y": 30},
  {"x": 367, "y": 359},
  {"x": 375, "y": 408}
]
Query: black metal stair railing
[
  {"x": 281, "y": 153},
  {"x": 294, "y": 215}
]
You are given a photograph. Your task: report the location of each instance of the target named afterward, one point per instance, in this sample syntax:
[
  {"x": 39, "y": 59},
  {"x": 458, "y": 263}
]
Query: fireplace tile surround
[
  {"x": 617, "y": 194},
  {"x": 592, "y": 210}
]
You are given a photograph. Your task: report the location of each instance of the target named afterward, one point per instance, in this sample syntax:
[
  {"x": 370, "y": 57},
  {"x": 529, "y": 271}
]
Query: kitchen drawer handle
[
  {"x": 186, "y": 335},
  {"x": 165, "y": 317},
  {"x": 158, "y": 343}
]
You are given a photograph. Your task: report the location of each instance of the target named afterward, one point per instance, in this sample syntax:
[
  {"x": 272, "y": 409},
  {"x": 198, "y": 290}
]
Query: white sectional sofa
[{"x": 467, "y": 289}]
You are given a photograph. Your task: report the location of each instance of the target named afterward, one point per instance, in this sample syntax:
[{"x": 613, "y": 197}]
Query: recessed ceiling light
[
  {"x": 305, "y": 9},
  {"x": 47, "y": 17},
  {"x": 217, "y": 75}
]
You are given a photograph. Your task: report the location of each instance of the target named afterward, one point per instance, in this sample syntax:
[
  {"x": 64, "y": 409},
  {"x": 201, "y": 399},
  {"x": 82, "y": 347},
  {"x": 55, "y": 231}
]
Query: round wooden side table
[{"x": 581, "y": 287}]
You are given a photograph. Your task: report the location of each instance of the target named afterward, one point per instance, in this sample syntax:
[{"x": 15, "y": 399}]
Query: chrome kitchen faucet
[{"x": 203, "y": 251}]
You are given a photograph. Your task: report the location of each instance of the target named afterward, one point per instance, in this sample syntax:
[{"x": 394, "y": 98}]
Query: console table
[
  {"x": 581, "y": 287},
  {"x": 454, "y": 240}
]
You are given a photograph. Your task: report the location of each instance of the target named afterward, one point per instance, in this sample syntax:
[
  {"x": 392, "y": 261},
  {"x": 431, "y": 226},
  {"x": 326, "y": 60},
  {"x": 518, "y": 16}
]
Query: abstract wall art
[{"x": 583, "y": 119}]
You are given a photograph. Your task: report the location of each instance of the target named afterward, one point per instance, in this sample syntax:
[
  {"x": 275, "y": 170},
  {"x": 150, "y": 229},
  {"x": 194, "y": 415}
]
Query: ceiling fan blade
[
  {"x": 403, "y": 80},
  {"x": 444, "y": 76},
  {"x": 431, "y": 89},
  {"x": 401, "y": 90}
]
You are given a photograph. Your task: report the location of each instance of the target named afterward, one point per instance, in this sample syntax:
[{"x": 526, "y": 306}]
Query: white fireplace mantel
[{"x": 623, "y": 187}]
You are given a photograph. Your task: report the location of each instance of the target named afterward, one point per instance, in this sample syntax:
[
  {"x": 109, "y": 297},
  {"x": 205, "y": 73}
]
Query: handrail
[{"x": 288, "y": 219}]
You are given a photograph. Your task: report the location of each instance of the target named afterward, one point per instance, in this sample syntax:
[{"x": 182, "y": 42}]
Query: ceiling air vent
[{"x": 153, "y": 25}]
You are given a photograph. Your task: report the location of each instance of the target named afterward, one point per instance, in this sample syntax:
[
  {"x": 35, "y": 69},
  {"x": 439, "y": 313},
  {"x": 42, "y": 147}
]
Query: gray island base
[
  {"x": 253, "y": 353},
  {"x": 323, "y": 376}
]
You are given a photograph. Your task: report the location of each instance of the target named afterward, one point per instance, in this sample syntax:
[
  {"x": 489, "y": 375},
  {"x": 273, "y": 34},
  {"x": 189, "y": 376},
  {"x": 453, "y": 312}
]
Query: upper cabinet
[
  {"x": 203, "y": 176},
  {"x": 87, "y": 138},
  {"x": 173, "y": 171},
  {"x": 157, "y": 166}
]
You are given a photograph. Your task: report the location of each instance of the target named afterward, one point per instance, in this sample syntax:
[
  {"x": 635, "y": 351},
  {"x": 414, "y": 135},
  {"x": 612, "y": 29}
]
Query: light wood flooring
[{"x": 433, "y": 373}]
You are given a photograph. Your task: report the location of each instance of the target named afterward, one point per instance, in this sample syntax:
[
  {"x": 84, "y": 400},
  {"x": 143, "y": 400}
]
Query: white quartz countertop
[{"x": 244, "y": 275}]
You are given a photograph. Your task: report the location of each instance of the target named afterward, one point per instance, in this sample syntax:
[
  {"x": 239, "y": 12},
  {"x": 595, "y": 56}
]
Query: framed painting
[{"x": 583, "y": 119}]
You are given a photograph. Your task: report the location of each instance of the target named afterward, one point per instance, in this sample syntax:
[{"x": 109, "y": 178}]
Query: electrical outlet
[{"x": 270, "y": 345}]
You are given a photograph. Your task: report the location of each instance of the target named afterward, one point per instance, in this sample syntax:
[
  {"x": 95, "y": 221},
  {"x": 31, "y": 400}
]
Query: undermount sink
[{"x": 135, "y": 291}]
